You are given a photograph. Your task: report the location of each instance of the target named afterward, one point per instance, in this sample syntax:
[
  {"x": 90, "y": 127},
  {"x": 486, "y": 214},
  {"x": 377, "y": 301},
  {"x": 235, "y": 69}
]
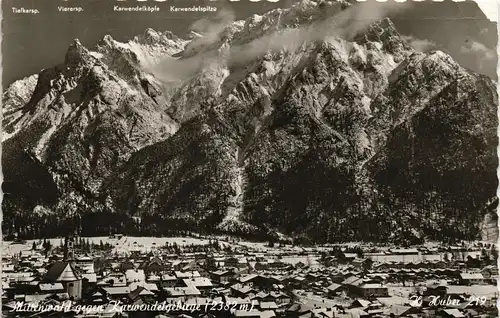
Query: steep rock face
[
  {"x": 447, "y": 150},
  {"x": 315, "y": 137},
  {"x": 84, "y": 118},
  {"x": 183, "y": 181}
]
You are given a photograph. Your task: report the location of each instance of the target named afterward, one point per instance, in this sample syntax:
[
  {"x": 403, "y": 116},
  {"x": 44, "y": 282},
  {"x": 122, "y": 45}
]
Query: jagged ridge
[{"x": 314, "y": 139}]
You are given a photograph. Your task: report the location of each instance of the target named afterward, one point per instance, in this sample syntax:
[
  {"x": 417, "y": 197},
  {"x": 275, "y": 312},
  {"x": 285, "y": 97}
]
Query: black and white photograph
[{"x": 246, "y": 158}]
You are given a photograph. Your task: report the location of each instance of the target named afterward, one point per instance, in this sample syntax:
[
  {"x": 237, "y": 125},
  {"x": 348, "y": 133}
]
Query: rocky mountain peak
[
  {"x": 76, "y": 54},
  {"x": 278, "y": 123},
  {"x": 385, "y": 32}
]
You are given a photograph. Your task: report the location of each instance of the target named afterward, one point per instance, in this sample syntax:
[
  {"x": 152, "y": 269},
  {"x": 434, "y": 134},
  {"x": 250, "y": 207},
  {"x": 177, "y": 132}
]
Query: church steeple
[
  {"x": 70, "y": 239},
  {"x": 69, "y": 253}
]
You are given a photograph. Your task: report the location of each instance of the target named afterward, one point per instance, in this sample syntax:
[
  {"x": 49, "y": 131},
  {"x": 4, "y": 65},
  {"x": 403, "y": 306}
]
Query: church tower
[{"x": 69, "y": 251}]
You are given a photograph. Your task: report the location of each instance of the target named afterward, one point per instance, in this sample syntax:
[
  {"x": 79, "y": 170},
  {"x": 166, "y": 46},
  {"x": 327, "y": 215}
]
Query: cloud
[
  {"x": 343, "y": 24},
  {"x": 212, "y": 27},
  {"x": 420, "y": 45},
  {"x": 172, "y": 69},
  {"x": 482, "y": 53},
  {"x": 474, "y": 47}
]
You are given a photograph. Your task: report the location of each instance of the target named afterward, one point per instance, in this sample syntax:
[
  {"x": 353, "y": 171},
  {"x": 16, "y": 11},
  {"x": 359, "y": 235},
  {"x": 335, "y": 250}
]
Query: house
[
  {"x": 202, "y": 270},
  {"x": 301, "y": 264},
  {"x": 334, "y": 289},
  {"x": 231, "y": 262},
  {"x": 473, "y": 262},
  {"x": 248, "y": 280},
  {"x": 265, "y": 282},
  {"x": 297, "y": 310},
  {"x": 66, "y": 274},
  {"x": 139, "y": 293},
  {"x": 261, "y": 265},
  {"x": 383, "y": 267},
  {"x": 254, "y": 313},
  {"x": 114, "y": 279},
  {"x": 242, "y": 291},
  {"x": 328, "y": 261},
  {"x": 490, "y": 272},
  {"x": 153, "y": 266},
  {"x": 89, "y": 279},
  {"x": 203, "y": 284},
  {"x": 193, "y": 266},
  {"x": 338, "y": 277},
  {"x": 33, "y": 298},
  {"x": 374, "y": 290},
  {"x": 168, "y": 281},
  {"x": 298, "y": 282},
  {"x": 362, "y": 263},
  {"x": 450, "y": 313},
  {"x": 116, "y": 292},
  {"x": 312, "y": 277},
  {"x": 359, "y": 303},
  {"x": 8, "y": 268},
  {"x": 276, "y": 264},
  {"x": 344, "y": 258},
  {"x": 183, "y": 275},
  {"x": 135, "y": 275},
  {"x": 98, "y": 298},
  {"x": 268, "y": 305},
  {"x": 242, "y": 262},
  {"x": 85, "y": 264},
  {"x": 402, "y": 311},
  {"x": 126, "y": 265},
  {"x": 149, "y": 286},
  {"x": 323, "y": 312},
  {"x": 221, "y": 276},
  {"x": 261, "y": 296},
  {"x": 354, "y": 312},
  {"x": 280, "y": 298},
  {"x": 472, "y": 279},
  {"x": 471, "y": 313},
  {"x": 153, "y": 278},
  {"x": 177, "y": 265},
  {"x": 436, "y": 290},
  {"x": 181, "y": 293},
  {"x": 404, "y": 251},
  {"x": 378, "y": 277},
  {"x": 53, "y": 288},
  {"x": 353, "y": 285}
]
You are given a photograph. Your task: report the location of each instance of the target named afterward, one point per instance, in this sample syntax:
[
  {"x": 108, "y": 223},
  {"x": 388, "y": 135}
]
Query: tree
[
  {"x": 309, "y": 261},
  {"x": 33, "y": 247},
  {"x": 176, "y": 248},
  {"x": 485, "y": 257},
  {"x": 484, "y": 254},
  {"x": 494, "y": 254},
  {"x": 210, "y": 263},
  {"x": 272, "y": 241},
  {"x": 47, "y": 247},
  {"x": 359, "y": 252}
]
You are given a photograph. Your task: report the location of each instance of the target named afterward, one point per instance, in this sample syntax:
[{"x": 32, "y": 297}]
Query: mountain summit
[{"x": 296, "y": 122}]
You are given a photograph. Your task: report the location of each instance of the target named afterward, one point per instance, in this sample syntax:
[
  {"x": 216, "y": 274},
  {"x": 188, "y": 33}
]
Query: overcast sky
[
  {"x": 490, "y": 8},
  {"x": 33, "y": 42}
]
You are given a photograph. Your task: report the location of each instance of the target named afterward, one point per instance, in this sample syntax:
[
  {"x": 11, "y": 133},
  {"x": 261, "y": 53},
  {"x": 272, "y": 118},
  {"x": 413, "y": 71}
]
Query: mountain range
[{"x": 290, "y": 123}]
